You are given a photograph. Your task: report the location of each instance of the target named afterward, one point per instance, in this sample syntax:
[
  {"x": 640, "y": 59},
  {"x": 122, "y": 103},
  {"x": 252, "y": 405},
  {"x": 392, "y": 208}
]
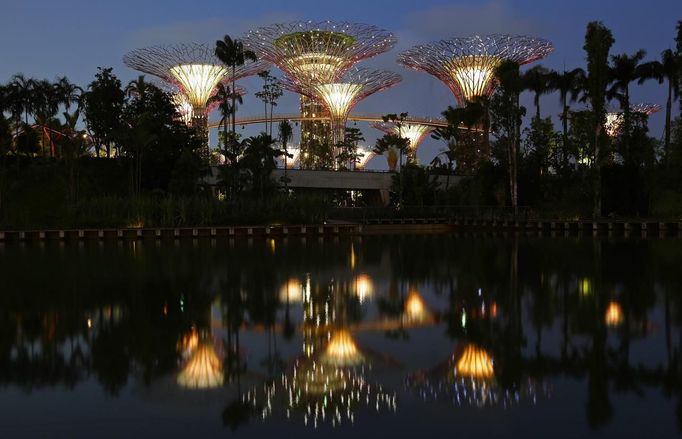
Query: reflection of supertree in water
[
  {"x": 468, "y": 379},
  {"x": 467, "y": 65},
  {"x": 317, "y": 52},
  {"x": 193, "y": 68},
  {"x": 327, "y": 383}
]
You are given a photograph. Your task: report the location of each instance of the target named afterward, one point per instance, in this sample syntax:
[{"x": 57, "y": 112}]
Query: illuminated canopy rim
[
  {"x": 322, "y": 50},
  {"x": 192, "y": 66},
  {"x": 466, "y": 64},
  {"x": 414, "y": 132}
]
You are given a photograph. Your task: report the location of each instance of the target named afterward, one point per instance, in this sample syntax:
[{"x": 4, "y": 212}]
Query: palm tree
[
  {"x": 598, "y": 42},
  {"x": 537, "y": 80},
  {"x": 224, "y": 97},
  {"x": 22, "y": 89},
  {"x": 624, "y": 70},
  {"x": 138, "y": 88},
  {"x": 668, "y": 68},
  {"x": 568, "y": 83},
  {"x": 286, "y": 133},
  {"x": 232, "y": 54},
  {"x": 69, "y": 92}
]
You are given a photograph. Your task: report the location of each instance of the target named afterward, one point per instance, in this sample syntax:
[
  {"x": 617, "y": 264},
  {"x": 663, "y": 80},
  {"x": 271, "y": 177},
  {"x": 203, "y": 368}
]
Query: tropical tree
[
  {"x": 507, "y": 114},
  {"x": 537, "y": 80},
  {"x": 232, "y": 54},
  {"x": 270, "y": 94},
  {"x": 598, "y": 42},
  {"x": 569, "y": 84},
  {"x": 103, "y": 107},
  {"x": 624, "y": 70},
  {"x": 348, "y": 148},
  {"x": 259, "y": 161},
  {"x": 286, "y": 134},
  {"x": 669, "y": 69},
  {"x": 20, "y": 95},
  {"x": 393, "y": 142}
]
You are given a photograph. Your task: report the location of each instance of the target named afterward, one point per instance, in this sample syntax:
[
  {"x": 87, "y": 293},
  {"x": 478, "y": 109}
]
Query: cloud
[{"x": 467, "y": 19}]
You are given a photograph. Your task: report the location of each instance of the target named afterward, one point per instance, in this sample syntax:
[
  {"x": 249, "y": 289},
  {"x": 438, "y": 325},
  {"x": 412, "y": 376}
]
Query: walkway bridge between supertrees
[{"x": 355, "y": 117}]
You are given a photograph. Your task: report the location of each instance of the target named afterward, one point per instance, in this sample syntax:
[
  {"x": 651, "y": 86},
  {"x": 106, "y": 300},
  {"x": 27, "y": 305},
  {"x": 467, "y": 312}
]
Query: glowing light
[
  {"x": 614, "y": 314},
  {"x": 415, "y": 308},
  {"x": 89, "y": 323},
  {"x": 467, "y": 65},
  {"x": 273, "y": 246},
  {"x": 585, "y": 287},
  {"x": 198, "y": 80},
  {"x": 342, "y": 351},
  {"x": 204, "y": 370},
  {"x": 339, "y": 97},
  {"x": 364, "y": 287},
  {"x": 188, "y": 343},
  {"x": 183, "y": 108},
  {"x": 474, "y": 363},
  {"x": 365, "y": 154},
  {"x": 291, "y": 291},
  {"x": 614, "y": 120}
]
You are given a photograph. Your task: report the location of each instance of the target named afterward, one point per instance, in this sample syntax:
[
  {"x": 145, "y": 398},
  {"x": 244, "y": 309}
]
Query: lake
[{"x": 392, "y": 336}]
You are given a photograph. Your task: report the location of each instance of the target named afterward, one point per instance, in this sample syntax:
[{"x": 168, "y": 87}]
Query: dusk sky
[{"x": 45, "y": 39}]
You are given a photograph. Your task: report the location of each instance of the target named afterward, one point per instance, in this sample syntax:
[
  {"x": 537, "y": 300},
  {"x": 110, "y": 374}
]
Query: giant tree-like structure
[
  {"x": 342, "y": 95},
  {"x": 414, "y": 132},
  {"x": 192, "y": 68},
  {"x": 467, "y": 65},
  {"x": 311, "y": 52},
  {"x": 614, "y": 119}
]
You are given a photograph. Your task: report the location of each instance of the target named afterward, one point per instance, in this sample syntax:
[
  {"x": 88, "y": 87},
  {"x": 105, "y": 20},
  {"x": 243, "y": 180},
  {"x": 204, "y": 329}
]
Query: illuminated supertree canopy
[
  {"x": 341, "y": 96},
  {"x": 414, "y": 132},
  {"x": 193, "y": 68},
  {"x": 184, "y": 107},
  {"x": 309, "y": 51},
  {"x": 467, "y": 64},
  {"x": 614, "y": 119},
  {"x": 365, "y": 154}
]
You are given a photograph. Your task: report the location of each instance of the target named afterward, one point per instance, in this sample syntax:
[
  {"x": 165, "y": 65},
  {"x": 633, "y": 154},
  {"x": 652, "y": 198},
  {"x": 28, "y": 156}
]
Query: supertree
[
  {"x": 341, "y": 96},
  {"x": 193, "y": 68},
  {"x": 183, "y": 105},
  {"x": 467, "y": 65},
  {"x": 414, "y": 132},
  {"x": 615, "y": 119},
  {"x": 311, "y": 52}
]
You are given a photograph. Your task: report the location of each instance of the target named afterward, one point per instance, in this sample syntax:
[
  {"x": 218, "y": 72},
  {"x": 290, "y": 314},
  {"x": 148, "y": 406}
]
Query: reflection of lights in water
[
  {"x": 614, "y": 314},
  {"x": 291, "y": 291},
  {"x": 364, "y": 287},
  {"x": 188, "y": 343},
  {"x": 468, "y": 379},
  {"x": 273, "y": 246},
  {"x": 319, "y": 394},
  {"x": 474, "y": 363},
  {"x": 352, "y": 257},
  {"x": 204, "y": 370},
  {"x": 89, "y": 323},
  {"x": 585, "y": 287},
  {"x": 342, "y": 351},
  {"x": 415, "y": 309}
]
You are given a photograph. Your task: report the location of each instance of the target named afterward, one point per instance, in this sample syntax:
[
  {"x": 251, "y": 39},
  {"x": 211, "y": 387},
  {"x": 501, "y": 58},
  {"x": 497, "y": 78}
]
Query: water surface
[{"x": 409, "y": 336}]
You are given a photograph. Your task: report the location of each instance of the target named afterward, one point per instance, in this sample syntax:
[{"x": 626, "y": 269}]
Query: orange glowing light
[
  {"x": 342, "y": 350},
  {"x": 614, "y": 314},
  {"x": 203, "y": 371},
  {"x": 364, "y": 287},
  {"x": 415, "y": 308},
  {"x": 474, "y": 363},
  {"x": 291, "y": 291}
]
